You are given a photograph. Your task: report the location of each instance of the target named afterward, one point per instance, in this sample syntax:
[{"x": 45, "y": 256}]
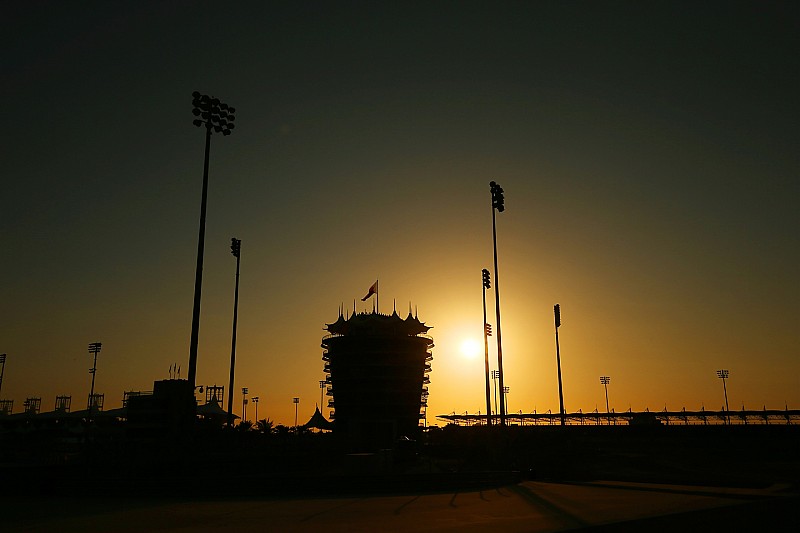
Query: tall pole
[
  {"x": 487, "y": 330},
  {"x": 322, "y": 384},
  {"x": 198, "y": 275},
  {"x": 498, "y": 203},
  {"x": 2, "y": 369},
  {"x": 94, "y": 348},
  {"x": 217, "y": 116},
  {"x": 605, "y": 380},
  {"x": 255, "y": 401},
  {"x": 296, "y": 402},
  {"x": 723, "y": 375},
  {"x": 425, "y": 407},
  {"x": 495, "y": 375},
  {"x": 236, "y": 250},
  {"x": 557, "y": 314},
  {"x": 244, "y": 403}
]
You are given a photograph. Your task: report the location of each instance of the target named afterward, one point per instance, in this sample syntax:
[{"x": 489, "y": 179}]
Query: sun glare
[{"x": 470, "y": 348}]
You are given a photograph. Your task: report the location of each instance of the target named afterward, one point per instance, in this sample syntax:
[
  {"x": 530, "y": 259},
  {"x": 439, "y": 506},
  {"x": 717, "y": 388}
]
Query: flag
[{"x": 372, "y": 290}]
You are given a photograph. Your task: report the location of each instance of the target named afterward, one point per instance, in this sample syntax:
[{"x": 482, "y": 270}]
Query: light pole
[
  {"x": 498, "y": 204},
  {"x": 425, "y": 407},
  {"x": 94, "y": 348},
  {"x": 219, "y": 117},
  {"x": 557, "y": 315},
  {"x": 322, "y": 384},
  {"x": 495, "y": 375},
  {"x": 2, "y": 369},
  {"x": 487, "y": 331},
  {"x": 255, "y": 401},
  {"x": 605, "y": 381},
  {"x": 236, "y": 250},
  {"x": 723, "y": 375},
  {"x": 506, "y": 390},
  {"x": 296, "y": 402},
  {"x": 244, "y": 403}
]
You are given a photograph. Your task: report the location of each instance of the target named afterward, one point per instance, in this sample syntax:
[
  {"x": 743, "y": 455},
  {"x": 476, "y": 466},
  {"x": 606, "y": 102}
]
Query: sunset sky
[{"x": 649, "y": 153}]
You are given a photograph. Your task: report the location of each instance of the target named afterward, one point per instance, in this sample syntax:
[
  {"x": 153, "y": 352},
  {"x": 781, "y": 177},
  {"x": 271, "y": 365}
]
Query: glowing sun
[{"x": 470, "y": 348}]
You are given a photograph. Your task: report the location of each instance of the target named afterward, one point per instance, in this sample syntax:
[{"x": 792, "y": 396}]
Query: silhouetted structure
[
  {"x": 32, "y": 405},
  {"x": 723, "y": 375},
  {"x": 96, "y": 402},
  {"x": 63, "y": 403},
  {"x": 498, "y": 205},
  {"x": 487, "y": 332},
  {"x": 605, "y": 380},
  {"x": 557, "y": 316},
  {"x": 2, "y": 369},
  {"x": 168, "y": 411},
  {"x": 6, "y": 406},
  {"x": 683, "y": 417},
  {"x": 94, "y": 348},
  {"x": 317, "y": 421},
  {"x": 236, "y": 250},
  {"x": 218, "y": 117},
  {"x": 212, "y": 411},
  {"x": 377, "y": 366}
]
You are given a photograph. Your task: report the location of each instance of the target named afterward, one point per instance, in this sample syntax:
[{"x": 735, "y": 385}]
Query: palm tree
[
  {"x": 245, "y": 425},
  {"x": 264, "y": 426}
]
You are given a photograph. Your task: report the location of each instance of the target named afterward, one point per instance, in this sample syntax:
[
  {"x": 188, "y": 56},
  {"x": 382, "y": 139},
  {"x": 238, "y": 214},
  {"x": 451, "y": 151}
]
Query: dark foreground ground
[{"x": 523, "y": 479}]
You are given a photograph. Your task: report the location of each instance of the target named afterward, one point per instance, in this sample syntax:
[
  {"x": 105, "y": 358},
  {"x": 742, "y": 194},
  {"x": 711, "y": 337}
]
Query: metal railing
[{"x": 682, "y": 417}]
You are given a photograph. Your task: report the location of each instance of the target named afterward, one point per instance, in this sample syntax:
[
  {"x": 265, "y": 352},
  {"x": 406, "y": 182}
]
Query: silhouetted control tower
[{"x": 377, "y": 366}]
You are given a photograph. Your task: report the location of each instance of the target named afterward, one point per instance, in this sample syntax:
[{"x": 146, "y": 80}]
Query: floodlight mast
[
  {"x": 557, "y": 316},
  {"x": 219, "y": 117},
  {"x": 94, "y": 348},
  {"x": 2, "y": 369},
  {"x": 487, "y": 331},
  {"x": 495, "y": 375},
  {"x": 498, "y": 204},
  {"x": 236, "y": 250},
  {"x": 723, "y": 375},
  {"x": 605, "y": 380},
  {"x": 245, "y": 392}
]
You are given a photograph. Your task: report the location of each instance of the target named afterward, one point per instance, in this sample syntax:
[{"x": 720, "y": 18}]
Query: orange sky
[{"x": 648, "y": 157}]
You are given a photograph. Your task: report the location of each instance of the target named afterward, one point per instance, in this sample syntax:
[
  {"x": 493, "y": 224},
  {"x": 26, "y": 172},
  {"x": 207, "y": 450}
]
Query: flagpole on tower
[{"x": 373, "y": 289}]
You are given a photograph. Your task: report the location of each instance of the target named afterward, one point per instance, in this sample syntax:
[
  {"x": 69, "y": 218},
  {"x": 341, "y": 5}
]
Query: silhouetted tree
[
  {"x": 245, "y": 425},
  {"x": 264, "y": 426}
]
